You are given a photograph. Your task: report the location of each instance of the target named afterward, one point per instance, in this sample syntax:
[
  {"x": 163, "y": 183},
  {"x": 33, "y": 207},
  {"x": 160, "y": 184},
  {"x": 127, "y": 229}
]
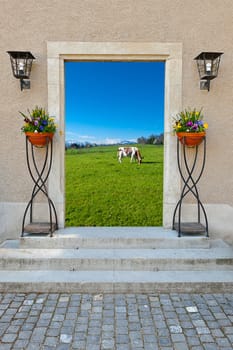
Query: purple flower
[
  {"x": 41, "y": 128},
  {"x": 189, "y": 123}
]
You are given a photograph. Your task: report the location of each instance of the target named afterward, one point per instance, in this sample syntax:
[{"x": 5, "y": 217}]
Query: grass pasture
[{"x": 102, "y": 192}]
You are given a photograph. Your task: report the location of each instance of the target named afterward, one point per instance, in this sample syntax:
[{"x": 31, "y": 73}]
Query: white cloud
[
  {"x": 111, "y": 141},
  {"x": 71, "y": 135},
  {"x": 86, "y": 137}
]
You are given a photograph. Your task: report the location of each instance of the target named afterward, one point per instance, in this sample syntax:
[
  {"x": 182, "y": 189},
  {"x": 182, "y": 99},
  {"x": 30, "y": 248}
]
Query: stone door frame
[{"x": 170, "y": 53}]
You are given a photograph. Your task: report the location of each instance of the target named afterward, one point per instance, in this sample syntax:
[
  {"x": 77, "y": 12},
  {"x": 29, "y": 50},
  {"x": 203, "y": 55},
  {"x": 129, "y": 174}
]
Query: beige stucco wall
[{"x": 198, "y": 25}]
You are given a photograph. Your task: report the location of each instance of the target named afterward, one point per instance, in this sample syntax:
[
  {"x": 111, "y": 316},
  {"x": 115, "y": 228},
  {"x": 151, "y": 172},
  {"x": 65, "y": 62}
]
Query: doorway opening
[
  {"x": 60, "y": 52},
  {"x": 112, "y": 105}
]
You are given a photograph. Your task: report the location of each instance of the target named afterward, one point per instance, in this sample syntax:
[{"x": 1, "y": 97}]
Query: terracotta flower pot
[
  {"x": 39, "y": 139},
  {"x": 191, "y": 139}
]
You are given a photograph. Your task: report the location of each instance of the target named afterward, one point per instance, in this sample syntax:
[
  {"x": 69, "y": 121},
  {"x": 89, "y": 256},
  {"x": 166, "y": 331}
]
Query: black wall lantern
[
  {"x": 21, "y": 63},
  {"x": 207, "y": 64}
]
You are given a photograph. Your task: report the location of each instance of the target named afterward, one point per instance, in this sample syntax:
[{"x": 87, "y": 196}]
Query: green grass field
[{"x": 102, "y": 192}]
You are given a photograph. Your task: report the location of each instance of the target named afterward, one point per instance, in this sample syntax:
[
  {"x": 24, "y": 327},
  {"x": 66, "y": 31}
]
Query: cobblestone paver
[{"x": 116, "y": 321}]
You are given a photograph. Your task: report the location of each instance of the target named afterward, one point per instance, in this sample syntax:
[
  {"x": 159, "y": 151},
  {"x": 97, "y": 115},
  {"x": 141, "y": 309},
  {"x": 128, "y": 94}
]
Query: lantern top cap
[
  {"x": 21, "y": 54},
  {"x": 208, "y": 55}
]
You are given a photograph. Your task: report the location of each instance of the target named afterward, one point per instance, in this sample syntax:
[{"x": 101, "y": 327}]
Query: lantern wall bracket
[
  {"x": 25, "y": 84},
  {"x": 205, "y": 84}
]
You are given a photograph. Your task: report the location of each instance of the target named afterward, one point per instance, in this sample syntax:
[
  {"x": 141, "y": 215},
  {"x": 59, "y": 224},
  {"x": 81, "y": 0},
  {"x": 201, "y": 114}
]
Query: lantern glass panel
[{"x": 21, "y": 67}]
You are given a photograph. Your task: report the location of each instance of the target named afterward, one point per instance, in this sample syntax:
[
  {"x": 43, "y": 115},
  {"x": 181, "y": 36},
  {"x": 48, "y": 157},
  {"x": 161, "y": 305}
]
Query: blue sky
[{"x": 108, "y": 102}]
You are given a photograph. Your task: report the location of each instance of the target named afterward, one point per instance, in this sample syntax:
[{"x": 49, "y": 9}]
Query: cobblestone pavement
[{"x": 116, "y": 321}]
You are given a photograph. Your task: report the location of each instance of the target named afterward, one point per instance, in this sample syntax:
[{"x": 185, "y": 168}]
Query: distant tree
[
  {"x": 151, "y": 139},
  {"x": 88, "y": 144},
  {"x": 141, "y": 140},
  {"x": 159, "y": 139},
  {"x": 74, "y": 146}
]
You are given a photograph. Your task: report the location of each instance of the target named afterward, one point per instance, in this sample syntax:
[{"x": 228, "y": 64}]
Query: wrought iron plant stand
[
  {"x": 39, "y": 177},
  {"x": 190, "y": 177}
]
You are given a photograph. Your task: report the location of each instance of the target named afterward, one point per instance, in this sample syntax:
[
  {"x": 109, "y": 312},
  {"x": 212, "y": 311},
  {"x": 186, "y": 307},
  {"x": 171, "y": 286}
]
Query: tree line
[{"x": 151, "y": 140}]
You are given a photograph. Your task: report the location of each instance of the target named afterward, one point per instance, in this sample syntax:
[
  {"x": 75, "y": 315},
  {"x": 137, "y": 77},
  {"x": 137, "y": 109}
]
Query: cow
[{"x": 132, "y": 152}]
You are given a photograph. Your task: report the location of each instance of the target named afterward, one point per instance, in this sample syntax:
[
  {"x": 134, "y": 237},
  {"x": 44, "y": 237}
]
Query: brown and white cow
[{"x": 132, "y": 152}]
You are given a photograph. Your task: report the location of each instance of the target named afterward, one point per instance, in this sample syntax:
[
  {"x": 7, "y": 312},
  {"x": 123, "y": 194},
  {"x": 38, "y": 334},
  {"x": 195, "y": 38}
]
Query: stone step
[
  {"x": 114, "y": 237},
  {"x": 116, "y": 281},
  {"x": 117, "y": 259}
]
